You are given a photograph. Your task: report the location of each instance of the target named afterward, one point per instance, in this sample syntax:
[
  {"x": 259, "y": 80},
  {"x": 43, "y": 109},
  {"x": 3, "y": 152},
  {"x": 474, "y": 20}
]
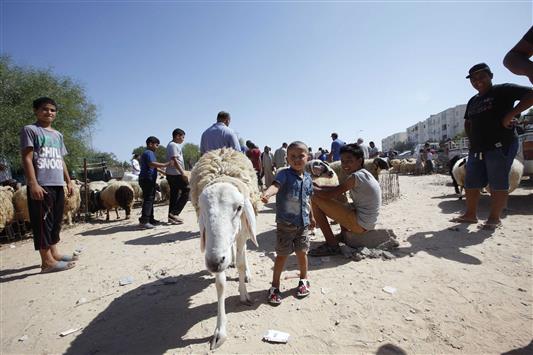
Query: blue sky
[{"x": 284, "y": 70}]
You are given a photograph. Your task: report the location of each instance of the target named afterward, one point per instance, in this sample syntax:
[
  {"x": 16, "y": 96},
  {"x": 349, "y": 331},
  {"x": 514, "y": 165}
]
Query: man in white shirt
[
  {"x": 364, "y": 148},
  {"x": 177, "y": 179},
  {"x": 135, "y": 167}
]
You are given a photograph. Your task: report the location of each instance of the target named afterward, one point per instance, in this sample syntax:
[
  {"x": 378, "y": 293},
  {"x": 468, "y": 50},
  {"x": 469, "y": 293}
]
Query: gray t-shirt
[
  {"x": 48, "y": 153},
  {"x": 174, "y": 150},
  {"x": 366, "y": 196}
]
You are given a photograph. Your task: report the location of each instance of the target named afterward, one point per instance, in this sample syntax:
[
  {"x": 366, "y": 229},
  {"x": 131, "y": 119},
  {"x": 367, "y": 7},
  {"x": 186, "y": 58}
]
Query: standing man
[
  {"x": 177, "y": 179},
  {"x": 219, "y": 135},
  {"x": 147, "y": 181},
  {"x": 335, "y": 147},
  {"x": 135, "y": 166},
  {"x": 373, "y": 151},
  {"x": 364, "y": 147},
  {"x": 489, "y": 125},
  {"x": 280, "y": 156}
]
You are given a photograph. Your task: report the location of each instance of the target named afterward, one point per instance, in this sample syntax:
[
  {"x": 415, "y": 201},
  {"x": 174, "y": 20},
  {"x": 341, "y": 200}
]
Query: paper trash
[
  {"x": 276, "y": 336},
  {"x": 389, "y": 289}
]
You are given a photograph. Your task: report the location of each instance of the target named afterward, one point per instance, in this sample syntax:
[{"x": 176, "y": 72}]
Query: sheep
[
  {"x": 137, "y": 192},
  {"x": 71, "y": 204},
  {"x": 374, "y": 166},
  {"x": 451, "y": 164},
  {"x": 7, "y": 210},
  {"x": 459, "y": 174},
  {"x": 225, "y": 195},
  {"x": 395, "y": 164},
  {"x": 117, "y": 194},
  {"x": 408, "y": 166},
  {"x": 164, "y": 189}
]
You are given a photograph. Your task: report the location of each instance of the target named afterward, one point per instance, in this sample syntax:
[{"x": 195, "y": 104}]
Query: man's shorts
[
  {"x": 290, "y": 238},
  {"x": 491, "y": 167},
  {"x": 46, "y": 216}
]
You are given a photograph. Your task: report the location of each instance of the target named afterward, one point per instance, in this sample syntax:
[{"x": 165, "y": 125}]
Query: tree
[
  {"x": 20, "y": 86},
  {"x": 160, "y": 153},
  {"x": 191, "y": 154}
]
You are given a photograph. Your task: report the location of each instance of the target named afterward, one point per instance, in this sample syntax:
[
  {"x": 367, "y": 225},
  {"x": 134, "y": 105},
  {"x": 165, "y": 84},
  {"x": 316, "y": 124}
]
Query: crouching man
[{"x": 357, "y": 218}]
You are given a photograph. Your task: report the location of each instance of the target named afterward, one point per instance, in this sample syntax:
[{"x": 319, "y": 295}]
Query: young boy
[
  {"x": 147, "y": 181},
  {"x": 177, "y": 180},
  {"x": 366, "y": 195},
  {"x": 46, "y": 173},
  {"x": 294, "y": 217}
]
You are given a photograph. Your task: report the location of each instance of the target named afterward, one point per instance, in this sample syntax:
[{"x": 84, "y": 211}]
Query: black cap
[{"x": 478, "y": 67}]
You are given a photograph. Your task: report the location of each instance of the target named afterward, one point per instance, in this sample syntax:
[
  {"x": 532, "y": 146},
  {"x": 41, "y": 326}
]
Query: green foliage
[
  {"x": 160, "y": 153},
  {"x": 19, "y": 87},
  {"x": 191, "y": 154}
]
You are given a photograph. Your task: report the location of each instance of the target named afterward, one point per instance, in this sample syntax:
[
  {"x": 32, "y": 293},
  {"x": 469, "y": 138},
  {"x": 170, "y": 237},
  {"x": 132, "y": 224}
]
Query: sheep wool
[
  {"x": 7, "y": 210},
  {"x": 226, "y": 165},
  {"x": 72, "y": 203},
  {"x": 117, "y": 194},
  {"x": 20, "y": 201}
]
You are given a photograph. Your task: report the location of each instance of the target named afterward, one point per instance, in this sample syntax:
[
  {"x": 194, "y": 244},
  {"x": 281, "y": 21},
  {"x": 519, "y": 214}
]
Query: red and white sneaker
[
  {"x": 274, "y": 296},
  {"x": 303, "y": 288}
]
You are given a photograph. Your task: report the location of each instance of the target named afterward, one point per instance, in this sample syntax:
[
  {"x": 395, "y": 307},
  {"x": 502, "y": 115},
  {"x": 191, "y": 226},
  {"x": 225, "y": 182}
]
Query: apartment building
[
  {"x": 390, "y": 141},
  {"x": 440, "y": 126}
]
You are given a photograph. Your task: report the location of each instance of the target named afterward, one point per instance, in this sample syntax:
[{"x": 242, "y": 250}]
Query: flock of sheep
[{"x": 102, "y": 196}]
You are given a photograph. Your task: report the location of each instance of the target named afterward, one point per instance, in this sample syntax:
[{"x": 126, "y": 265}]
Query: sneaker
[
  {"x": 274, "y": 296},
  {"x": 155, "y": 222},
  {"x": 173, "y": 218},
  {"x": 303, "y": 288},
  {"x": 147, "y": 225}
]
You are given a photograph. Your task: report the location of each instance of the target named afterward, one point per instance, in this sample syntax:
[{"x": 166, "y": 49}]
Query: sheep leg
[
  {"x": 219, "y": 337},
  {"x": 233, "y": 256},
  {"x": 116, "y": 211},
  {"x": 244, "y": 273},
  {"x": 107, "y": 215},
  {"x": 69, "y": 218}
]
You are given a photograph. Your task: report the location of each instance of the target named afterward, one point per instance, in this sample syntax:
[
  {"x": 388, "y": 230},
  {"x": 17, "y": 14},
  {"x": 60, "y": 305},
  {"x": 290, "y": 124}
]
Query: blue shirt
[
  {"x": 336, "y": 149},
  {"x": 146, "y": 171},
  {"x": 293, "y": 200},
  {"x": 219, "y": 136}
]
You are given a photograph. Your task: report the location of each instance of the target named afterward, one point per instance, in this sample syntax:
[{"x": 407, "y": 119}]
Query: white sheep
[
  {"x": 515, "y": 174},
  {"x": 225, "y": 194},
  {"x": 7, "y": 210}
]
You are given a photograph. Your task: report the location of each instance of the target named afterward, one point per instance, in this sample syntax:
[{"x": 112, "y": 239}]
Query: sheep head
[
  {"x": 319, "y": 168},
  {"x": 225, "y": 213}
]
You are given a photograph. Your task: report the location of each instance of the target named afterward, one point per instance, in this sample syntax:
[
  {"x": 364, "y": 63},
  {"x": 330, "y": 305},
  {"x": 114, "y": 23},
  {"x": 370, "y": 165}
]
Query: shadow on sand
[
  {"x": 164, "y": 237},
  {"x": 5, "y": 278},
  {"x": 446, "y": 243},
  {"x": 154, "y": 318}
]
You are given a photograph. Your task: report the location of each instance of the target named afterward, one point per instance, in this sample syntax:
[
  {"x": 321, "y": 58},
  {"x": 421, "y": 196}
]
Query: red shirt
[{"x": 255, "y": 156}]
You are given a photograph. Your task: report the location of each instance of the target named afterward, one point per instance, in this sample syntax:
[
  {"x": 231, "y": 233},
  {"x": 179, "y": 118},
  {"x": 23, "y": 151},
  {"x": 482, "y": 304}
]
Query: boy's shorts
[
  {"x": 290, "y": 238},
  {"x": 46, "y": 216},
  {"x": 491, "y": 167}
]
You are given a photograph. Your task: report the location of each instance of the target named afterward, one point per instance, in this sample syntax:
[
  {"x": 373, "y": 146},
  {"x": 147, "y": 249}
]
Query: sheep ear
[
  {"x": 249, "y": 217},
  {"x": 202, "y": 232}
]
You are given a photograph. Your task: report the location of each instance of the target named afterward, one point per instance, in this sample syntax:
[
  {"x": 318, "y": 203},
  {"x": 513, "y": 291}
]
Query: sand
[{"x": 458, "y": 289}]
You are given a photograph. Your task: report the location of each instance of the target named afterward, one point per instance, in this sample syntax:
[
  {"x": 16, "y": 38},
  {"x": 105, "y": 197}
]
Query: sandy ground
[{"x": 459, "y": 289}]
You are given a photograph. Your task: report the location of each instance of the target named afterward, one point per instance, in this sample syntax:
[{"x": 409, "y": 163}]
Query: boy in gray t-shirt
[
  {"x": 177, "y": 179},
  {"x": 45, "y": 170},
  {"x": 358, "y": 218}
]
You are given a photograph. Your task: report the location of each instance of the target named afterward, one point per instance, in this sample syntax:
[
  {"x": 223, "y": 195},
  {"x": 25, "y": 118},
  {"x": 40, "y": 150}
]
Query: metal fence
[{"x": 390, "y": 187}]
